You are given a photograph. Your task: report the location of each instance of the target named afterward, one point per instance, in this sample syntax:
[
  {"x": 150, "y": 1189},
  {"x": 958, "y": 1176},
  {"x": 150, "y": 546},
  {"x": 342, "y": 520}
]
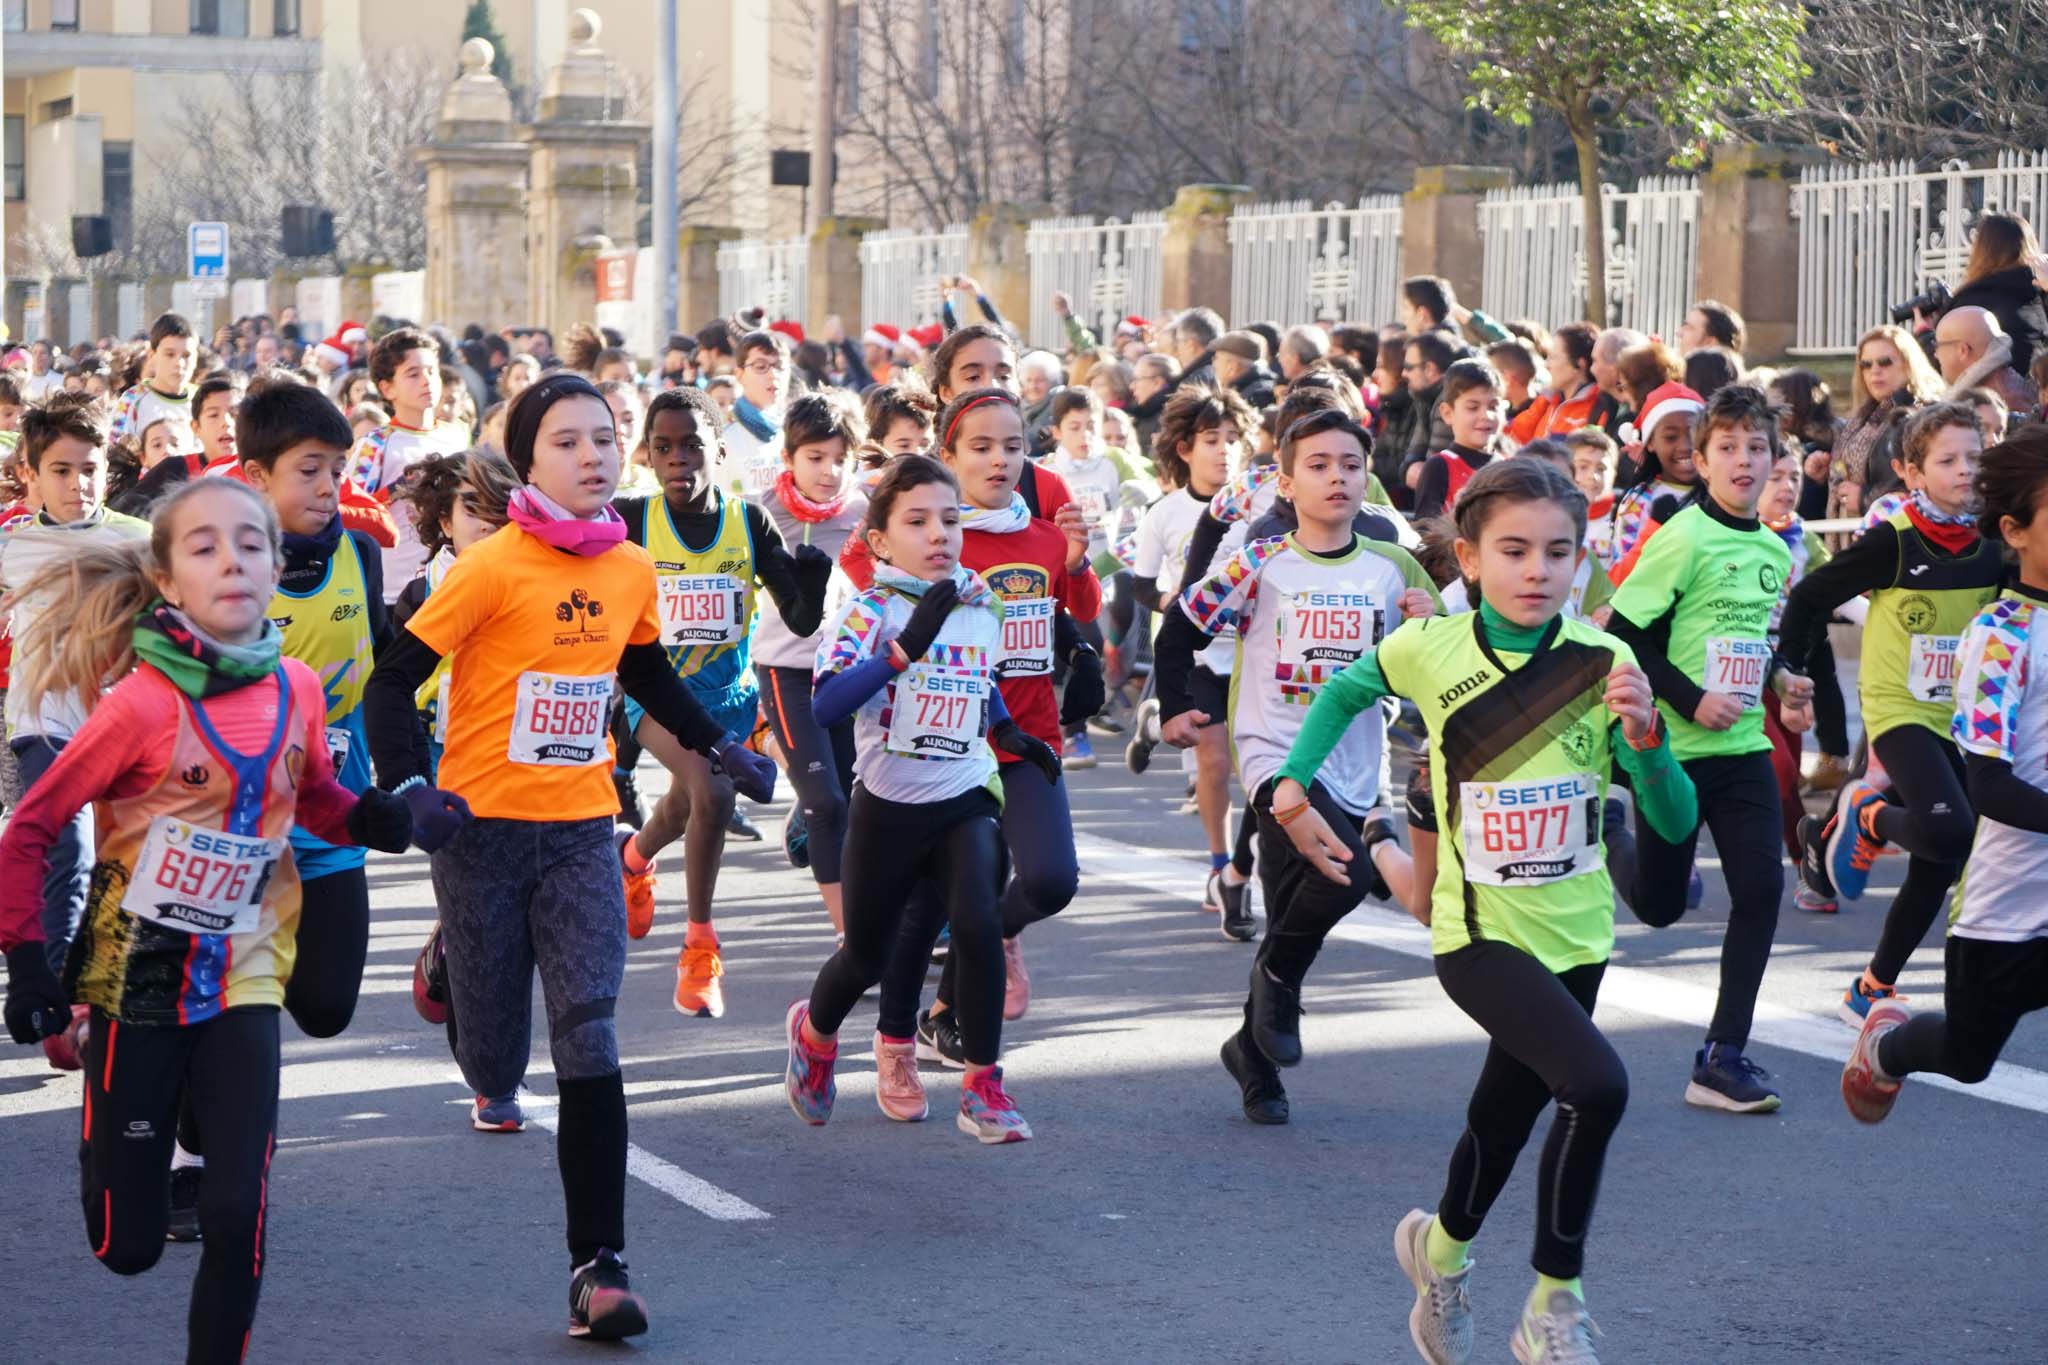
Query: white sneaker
[{"x": 1440, "y": 1323}]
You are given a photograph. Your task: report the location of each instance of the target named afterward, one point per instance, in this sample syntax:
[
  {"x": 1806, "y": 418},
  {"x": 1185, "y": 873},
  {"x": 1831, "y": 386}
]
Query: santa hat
[
  {"x": 929, "y": 335},
  {"x": 1669, "y": 399},
  {"x": 886, "y": 335},
  {"x": 793, "y": 330},
  {"x": 340, "y": 348},
  {"x": 1131, "y": 326}
]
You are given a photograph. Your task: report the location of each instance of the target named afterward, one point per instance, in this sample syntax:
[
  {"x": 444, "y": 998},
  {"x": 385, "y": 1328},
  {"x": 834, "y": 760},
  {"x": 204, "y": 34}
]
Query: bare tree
[{"x": 709, "y": 155}]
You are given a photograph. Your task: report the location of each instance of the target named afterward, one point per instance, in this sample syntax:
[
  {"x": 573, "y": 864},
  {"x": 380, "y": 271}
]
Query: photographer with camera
[{"x": 2005, "y": 278}]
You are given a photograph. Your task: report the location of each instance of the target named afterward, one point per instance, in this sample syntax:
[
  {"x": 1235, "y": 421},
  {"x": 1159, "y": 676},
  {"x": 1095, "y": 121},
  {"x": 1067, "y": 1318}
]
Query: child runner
[
  {"x": 406, "y": 368},
  {"x": 1302, "y": 607},
  {"x": 1522, "y": 703},
  {"x": 1666, "y": 476},
  {"x": 1470, "y": 403},
  {"x": 1696, "y": 611},
  {"x": 712, "y": 553},
  {"x": 216, "y": 743},
  {"x": 1928, "y": 573},
  {"x": 1097, "y": 475},
  {"x": 900, "y": 416},
  {"x": 911, "y": 660},
  {"x": 1779, "y": 511},
  {"x": 166, "y": 387},
  {"x": 815, "y": 502},
  {"x": 1996, "y": 958},
  {"x": 752, "y": 443},
  {"x": 538, "y": 617}
]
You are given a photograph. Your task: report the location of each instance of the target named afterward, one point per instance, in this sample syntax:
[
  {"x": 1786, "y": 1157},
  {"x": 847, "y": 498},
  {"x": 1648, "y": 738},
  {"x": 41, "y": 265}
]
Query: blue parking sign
[{"x": 206, "y": 251}]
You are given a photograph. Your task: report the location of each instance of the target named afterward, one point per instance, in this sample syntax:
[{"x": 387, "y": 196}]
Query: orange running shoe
[
  {"x": 639, "y": 890},
  {"x": 697, "y": 990}
]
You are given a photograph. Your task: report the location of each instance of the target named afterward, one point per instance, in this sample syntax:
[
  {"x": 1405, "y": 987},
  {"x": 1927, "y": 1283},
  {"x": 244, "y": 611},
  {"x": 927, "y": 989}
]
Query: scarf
[
  {"x": 310, "y": 554},
  {"x": 197, "y": 664},
  {"x": 1000, "y": 521},
  {"x": 1952, "y": 531},
  {"x": 764, "y": 426},
  {"x": 801, "y": 507},
  {"x": 973, "y": 591},
  {"x": 541, "y": 517}
]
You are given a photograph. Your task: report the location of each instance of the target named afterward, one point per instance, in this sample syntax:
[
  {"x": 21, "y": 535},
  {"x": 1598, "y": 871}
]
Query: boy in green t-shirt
[{"x": 1697, "y": 611}]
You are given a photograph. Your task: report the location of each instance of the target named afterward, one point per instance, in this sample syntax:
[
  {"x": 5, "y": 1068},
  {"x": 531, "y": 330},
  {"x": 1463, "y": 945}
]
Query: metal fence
[
  {"x": 1108, "y": 269},
  {"x": 1534, "y": 262},
  {"x": 1292, "y": 263},
  {"x": 1870, "y": 236},
  {"x": 900, "y": 271},
  {"x": 770, "y": 275}
]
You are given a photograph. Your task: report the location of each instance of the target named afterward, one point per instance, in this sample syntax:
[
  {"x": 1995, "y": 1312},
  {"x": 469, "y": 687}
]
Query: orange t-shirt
[{"x": 533, "y": 637}]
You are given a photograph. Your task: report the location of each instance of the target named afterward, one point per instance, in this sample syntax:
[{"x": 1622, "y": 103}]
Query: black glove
[
  {"x": 752, "y": 775},
  {"x": 1084, "y": 694},
  {"x": 437, "y": 816},
  {"x": 36, "y": 1008},
  {"x": 381, "y": 821},
  {"x": 813, "y": 566},
  {"x": 1013, "y": 740},
  {"x": 923, "y": 626}
]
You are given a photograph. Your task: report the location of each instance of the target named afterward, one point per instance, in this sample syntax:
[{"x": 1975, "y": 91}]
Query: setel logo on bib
[
  {"x": 1529, "y": 833},
  {"x": 937, "y": 712}
]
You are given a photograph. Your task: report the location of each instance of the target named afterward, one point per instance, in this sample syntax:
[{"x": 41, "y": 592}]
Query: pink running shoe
[
  {"x": 899, "y": 1090},
  {"x": 1016, "y": 981},
  {"x": 1868, "y": 1097},
  {"x": 987, "y": 1113}
]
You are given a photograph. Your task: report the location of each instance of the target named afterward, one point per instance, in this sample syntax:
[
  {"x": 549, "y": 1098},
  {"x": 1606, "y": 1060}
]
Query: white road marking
[
  {"x": 671, "y": 1179},
  {"x": 1637, "y": 989}
]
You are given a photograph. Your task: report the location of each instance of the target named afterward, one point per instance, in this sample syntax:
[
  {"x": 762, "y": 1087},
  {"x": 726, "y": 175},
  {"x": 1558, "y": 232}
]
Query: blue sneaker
[
  {"x": 1077, "y": 752},
  {"x": 1722, "y": 1078},
  {"x": 1695, "y": 889},
  {"x": 1851, "y": 852},
  {"x": 1861, "y": 995},
  {"x": 808, "y": 1079},
  {"x": 501, "y": 1115},
  {"x": 796, "y": 838}
]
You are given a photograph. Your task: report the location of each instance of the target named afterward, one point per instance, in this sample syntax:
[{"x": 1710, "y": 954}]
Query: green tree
[
  {"x": 1603, "y": 65},
  {"x": 480, "y": 22}
]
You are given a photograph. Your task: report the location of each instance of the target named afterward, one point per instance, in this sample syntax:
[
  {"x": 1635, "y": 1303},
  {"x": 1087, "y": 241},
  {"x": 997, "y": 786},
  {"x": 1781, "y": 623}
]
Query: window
[
  {"x": 284, "y": 18},
  {"x": 221, "y": 18},
  {"x": 14, "y": 16},
  {"x": 849, "y": 59},
  {"x": 53, "y": 110},
  {"x": 16, "y": 174},
  {"x": 117, "y": 190},
  {"x": 64, "y": 15}
]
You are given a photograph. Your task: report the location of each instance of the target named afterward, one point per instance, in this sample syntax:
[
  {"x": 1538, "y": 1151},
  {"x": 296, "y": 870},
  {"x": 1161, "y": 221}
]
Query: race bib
[
  {"x": 937, "y": 711},
  {"x": 1327, "y": 630},
  {"x": 701, "y": 609},
  {"x": 1530, "y": 833},
  {"x": 200, "y": 881},
  {"x": 1737, "y": 666},
  {"x": 559, "y": 720},
  {"x": 1094, "y": 503},
  {"x": 441, "y": 708},
  {"x": 1931, "y": 667},
  {"x": 338, "y": 745},
  {"x": 1026, "y": 650}
]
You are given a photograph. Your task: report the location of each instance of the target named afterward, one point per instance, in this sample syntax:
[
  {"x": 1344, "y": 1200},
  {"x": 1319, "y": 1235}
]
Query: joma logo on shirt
[{"x": 1461, "y": 687}]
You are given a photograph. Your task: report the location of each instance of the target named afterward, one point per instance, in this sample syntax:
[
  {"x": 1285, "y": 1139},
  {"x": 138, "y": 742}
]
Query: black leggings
[
  {"x": 1545, "y": 1047},
  {"x": 333, "y": 941},
  {"x": 1990, "y": 987},
  {"x": 1302, "y": 905},
  {"x": 1931, "y": 819},
  {"x": 1241, "y": 851},
  {"x": 890, "y": 847},
  {"x": 1738, "y": 798},
  {"x": 134, "y": 1077},
  {"x": 1830, "y": 709},
  {"x": 820, "y": 764}
]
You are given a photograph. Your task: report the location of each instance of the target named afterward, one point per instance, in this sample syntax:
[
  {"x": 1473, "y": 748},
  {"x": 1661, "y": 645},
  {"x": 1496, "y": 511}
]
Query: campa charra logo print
[{"x": 580, "y": 612}]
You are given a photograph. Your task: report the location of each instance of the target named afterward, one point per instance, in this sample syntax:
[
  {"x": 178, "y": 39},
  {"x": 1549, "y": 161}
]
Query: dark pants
[
  {"x": 333, "y": 941},
  {"x": 1830, "y": 708},
  {"x": 820, "y": 765},
  {"x": 134, "y": 1077},
  {"x": 1931, "y": 819},
  {"x": 68, "y": 875},
  {"x": 1990, "y": 987},
  {"x": 1302, "y": 905},
  {"x": 1545, "y": 1047}
]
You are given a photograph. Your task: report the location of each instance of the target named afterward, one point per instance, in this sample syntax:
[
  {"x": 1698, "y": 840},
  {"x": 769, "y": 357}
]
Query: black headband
[{"x": 522, "y": 423}]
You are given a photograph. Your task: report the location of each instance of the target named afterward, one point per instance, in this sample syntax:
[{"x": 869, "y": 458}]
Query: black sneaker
[
  {"x": 602, "y": 1306},
  {"x": 184, "y": 1224},
  {"x": 1237, "y": 909},
  {"x": 1276, "y": 1017},
  {"x": 938, "y": 1040},
  {"x": 1265, "y": 1099},
  {"x": 1813, "y": 857},
  {"x": 1144, "y": 736},
  {"x": 942, "y": 946},
  {"x": 740, "y": 827},
  {"x": 1722, "y": 1078},
  {"x": 627, "y": 789}
]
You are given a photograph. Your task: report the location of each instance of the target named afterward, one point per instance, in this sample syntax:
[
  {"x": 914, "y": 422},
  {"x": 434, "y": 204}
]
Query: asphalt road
[{"x": 1148, "y": 1221}]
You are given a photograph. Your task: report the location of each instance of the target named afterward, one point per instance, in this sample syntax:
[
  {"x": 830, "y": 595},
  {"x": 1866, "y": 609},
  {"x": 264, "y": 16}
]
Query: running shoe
[
  {"x": 942, "y": 946},
  {"x": 602, "y": 1306},
  {"x": 1828, "y": 774},
  {"x": 1562, "y": 1334},
  {"x": 988, "y": 1114},
  {"x": 1016, "y": 981},
  {"x": 738, "y": 826},
  {"x": 184, "y": 1224},
  {"x": 1379, "y": 827},
  {"x": 1851, "y": 850},
  {"x": 627, "y": 788},
  {"x": 1077, "y": 753},
  {"x": 938, "y": 1039},
  {"x": 1807, "y": 900},
  {"x": 899, "y": 1090},
  {"x": 1212, "y": 893},
  {"x": 1276, "y": 1017},
  {"x": 1722, "y": 1078},
  {"x": 1258, "y": 1081},
  {"x": 639, "y": 888},
  {"x": 1813, "y": 860},
  {"x": 796, "y": 838},
  {"x": 1695, "y": 889},
  {"x": 501, "y": 1115},
  {"x": 697, "y": 990},
  {"x": 1440, "y": 1323},
  {"x": 430, "y": 979},
  {"x": 1869, "y": 1097},
  {"x": 1858, "y": 999},
  {"x": 807, "y": 1080},
  {"x": 1144, "y": 736},
  {"x": 1237, "y": 908}
]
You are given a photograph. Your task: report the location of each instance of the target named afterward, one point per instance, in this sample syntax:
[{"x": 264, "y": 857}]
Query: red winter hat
[
  {"x": 793, "y": 330},
  {"x": 884, "y": 334},
  {"x": 929, "y": 335},
  {"x": 340, "y": 347},
  {"x": 1131, "y": 325}
]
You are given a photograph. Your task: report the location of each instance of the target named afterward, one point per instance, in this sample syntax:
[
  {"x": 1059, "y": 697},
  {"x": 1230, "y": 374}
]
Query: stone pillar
[
  {"x": 697, "y": 275},
  {"x": 1749, "y": 245},
  {"x": 580, "y": 176},
  {"x": 1440, "y": 224},
  {"x": 476, "y": 202},
  {"x": 356, "y": 294},
  {"x": 998, "y": 261},
  {"x": 835, "y": 273},
  {"x": 1194, "y": 266},
  {"x": 156, "y": 299}
]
